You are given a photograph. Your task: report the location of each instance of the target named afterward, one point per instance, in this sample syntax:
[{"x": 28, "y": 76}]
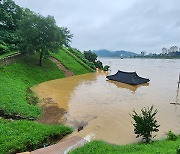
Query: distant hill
[{"x": 107, "y": 53}]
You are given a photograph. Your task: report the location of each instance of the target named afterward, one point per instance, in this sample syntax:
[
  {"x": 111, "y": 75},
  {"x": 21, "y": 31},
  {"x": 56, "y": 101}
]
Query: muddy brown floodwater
[{"x": 102, "y": 107}]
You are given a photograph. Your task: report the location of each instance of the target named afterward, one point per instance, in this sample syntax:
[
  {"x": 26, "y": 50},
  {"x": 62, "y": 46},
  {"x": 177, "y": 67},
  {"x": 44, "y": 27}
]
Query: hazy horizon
[{"x": 132, "y": 25}]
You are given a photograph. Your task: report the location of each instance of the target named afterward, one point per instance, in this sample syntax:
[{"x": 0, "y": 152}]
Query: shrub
[
  {"x": 4, "y": 48},
  {"x": 178, "y": 150},
  {"x": 145, "y": 124},
  {"x": 106, "y": 68},
  {"x": 99, "y": 64},
  {"x": 171, "y": 136}
]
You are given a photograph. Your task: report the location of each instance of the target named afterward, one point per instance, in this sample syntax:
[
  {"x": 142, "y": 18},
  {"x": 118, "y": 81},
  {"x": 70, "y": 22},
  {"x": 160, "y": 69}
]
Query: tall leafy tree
[
  {"x": 66, "y": 35},
  {"x": 10, "y": 15},
  {"x": 89, "y": 55},
  {"x": 40, "y": 35}
]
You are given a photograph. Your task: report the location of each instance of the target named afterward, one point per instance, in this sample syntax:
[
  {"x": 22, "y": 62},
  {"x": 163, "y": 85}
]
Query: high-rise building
[
  {"x": 143, "y": 53},
  {"x": 164, "y": 50},
  {"x": 173, "y": 49}
]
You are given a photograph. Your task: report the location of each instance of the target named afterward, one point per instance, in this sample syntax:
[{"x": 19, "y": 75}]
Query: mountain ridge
[{"x": 118, "y": 53}]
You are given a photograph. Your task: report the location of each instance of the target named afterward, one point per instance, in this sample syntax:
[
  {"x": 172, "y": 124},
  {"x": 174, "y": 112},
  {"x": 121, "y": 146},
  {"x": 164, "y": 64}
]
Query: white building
[
  {"x": 173, "y": 49},
  {"x": 143, "y": 53},
  {"x": 164, "y": 50}
]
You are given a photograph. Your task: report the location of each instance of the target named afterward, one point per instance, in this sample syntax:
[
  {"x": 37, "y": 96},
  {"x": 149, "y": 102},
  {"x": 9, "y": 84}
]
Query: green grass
[
  {"x": 158, "y": 147},
  {"x": 70, "y": 62},
  {"x": 16, "y": 78},
  {"x": 17, "y": 101},
  {"x": 19, "y": 136},
  {"x": 8, "y": 54},
  {"x": 79, "y": 57}
]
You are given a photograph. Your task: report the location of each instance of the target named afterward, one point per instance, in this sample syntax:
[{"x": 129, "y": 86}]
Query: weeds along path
[{"x": 67, "y": 72}]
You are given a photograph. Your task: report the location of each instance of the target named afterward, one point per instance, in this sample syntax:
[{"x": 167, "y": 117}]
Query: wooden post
[
  {"x": 177, "y": 95},
  {"x": 179, "y": 82}
]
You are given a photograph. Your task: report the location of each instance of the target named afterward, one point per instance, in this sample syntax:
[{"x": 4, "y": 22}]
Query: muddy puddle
[{"x": 102, "y": 107}]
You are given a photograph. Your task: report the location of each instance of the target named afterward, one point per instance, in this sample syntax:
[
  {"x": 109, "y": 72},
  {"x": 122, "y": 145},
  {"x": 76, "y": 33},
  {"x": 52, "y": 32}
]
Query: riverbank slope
[{"x": 19, "y": 105}]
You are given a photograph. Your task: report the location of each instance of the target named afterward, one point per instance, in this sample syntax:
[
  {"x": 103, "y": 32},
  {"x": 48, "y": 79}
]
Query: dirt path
[{"x": 67, "y": 72}]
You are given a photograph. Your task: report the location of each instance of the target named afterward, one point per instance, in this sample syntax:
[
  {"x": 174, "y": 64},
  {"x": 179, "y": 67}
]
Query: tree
[
  {"x": 40, "y": 35},
  {"x": 99, "y": 64},
  {"x": 10, "y": 15},
  {"x": 66, "y": 35},
  {"x": 106, "y": 68},
  {"x": 145, "y": 124},
  {"x": 89, "y": 55}
]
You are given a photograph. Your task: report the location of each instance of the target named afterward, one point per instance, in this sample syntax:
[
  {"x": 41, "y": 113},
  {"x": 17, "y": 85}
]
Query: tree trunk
[{"x": 41, "y": 56}]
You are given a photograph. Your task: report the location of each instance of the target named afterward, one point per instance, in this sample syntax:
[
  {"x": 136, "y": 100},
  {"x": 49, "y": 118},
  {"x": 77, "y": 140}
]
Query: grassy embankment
[
  {"x": 15, "y": 81},
  {"x": 71, "y": 62},
  {"x": 23, "y": 135},
  {"x": 157, "y": 147}
]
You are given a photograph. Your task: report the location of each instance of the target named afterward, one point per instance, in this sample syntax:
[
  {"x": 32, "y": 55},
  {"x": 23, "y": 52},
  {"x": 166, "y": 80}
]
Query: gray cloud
[{"x": 133, "y": 25}]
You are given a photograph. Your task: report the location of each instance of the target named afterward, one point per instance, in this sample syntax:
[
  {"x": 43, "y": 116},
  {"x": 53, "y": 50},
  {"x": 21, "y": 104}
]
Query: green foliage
[
  {"x": 171, "y": 136},
  {"x": 92, "y": 57},
  {"x": 10, "y": 15},
  {"x": 70, "y": 62},
  {"x": 81, "y": 56},
  {"x": 145, "y": 124},
  {"x": 3, "y": 48},
  {"x": 15, "y": 79},
  {"x": 99, "y": 64},
  {"x": 106, "y": 68},
  {"x": 23, "y": 135},
  {"x": 41, "y": 34},
  {"x": 66, "y": 36},
  {"x": 178, "y": 150}
]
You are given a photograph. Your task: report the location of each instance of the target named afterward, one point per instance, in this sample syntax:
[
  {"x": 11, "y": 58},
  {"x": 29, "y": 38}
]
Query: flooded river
[{"x": 103, "y": 107}]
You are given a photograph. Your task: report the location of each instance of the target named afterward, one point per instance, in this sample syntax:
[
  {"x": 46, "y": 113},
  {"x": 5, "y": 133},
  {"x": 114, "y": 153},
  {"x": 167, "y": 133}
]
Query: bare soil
[{"x": 52, "y": 114}]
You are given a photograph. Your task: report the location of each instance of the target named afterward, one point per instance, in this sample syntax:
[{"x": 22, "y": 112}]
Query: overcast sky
[{"x": 133, "y": 25}]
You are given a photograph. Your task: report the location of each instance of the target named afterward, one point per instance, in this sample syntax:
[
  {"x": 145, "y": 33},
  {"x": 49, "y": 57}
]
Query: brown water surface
[{"x": 103, "y": 107}]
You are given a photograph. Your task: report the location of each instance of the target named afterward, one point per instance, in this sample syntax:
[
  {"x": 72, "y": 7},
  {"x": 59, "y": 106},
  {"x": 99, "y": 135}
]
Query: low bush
[
  {"x": 106, "y": 68},
  {"x": 99, "y": 64},
  {"x": 171, "y": 136},
  {"x": 178, "y": 150}
]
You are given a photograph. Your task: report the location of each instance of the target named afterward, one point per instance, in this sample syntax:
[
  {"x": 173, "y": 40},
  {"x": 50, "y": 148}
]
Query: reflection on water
[
  {"x": 103, "y": 107},
  {"x": 61, "y": 90},
  {"x": 132, "y": 88},
  {"x": 177, "y": 98}
]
